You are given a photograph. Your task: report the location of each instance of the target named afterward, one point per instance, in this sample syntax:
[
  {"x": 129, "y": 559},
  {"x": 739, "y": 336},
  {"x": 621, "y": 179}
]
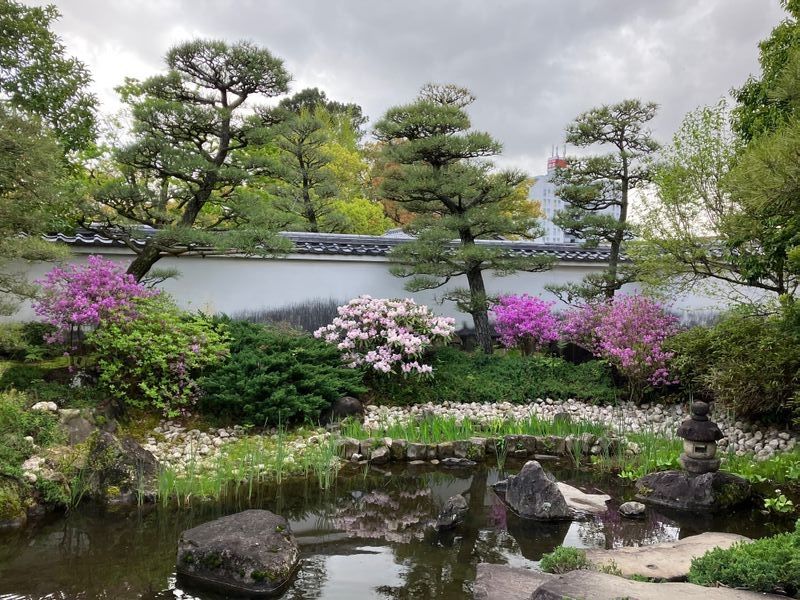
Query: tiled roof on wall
[{"x": 362, "y": 245}]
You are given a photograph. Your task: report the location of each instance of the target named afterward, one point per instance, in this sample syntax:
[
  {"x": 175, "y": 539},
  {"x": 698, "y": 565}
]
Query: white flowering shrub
[{"x": 388, "y": 336}]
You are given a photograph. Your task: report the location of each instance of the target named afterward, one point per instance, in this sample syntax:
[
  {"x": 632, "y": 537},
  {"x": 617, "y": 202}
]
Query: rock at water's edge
[
  {"x": 252, "y": 552},
  {"x": 534, "y": 494},
  {"x": 601, "y": 586},
  {"x": 667, "y": 560},
  {"x": 632, "y": 510},
  {"x": 683, "y": 491},
  {"x": 581, "y": 502}
]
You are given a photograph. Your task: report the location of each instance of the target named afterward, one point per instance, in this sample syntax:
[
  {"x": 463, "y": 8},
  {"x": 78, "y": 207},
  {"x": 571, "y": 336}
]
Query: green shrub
[
  {"x": 16, "y": 422},
  {"x": 20, "y": 376},
  {"x": 276, "y": 375},
  {"x": 476, "y": 377},
  {"x": 767, "y": 565},
  {"x": 25, "y": 341},
  {"x": 563, "y": 560},
  {"x": 749, "y": 361},
  {"x": 153, "y": 360}
]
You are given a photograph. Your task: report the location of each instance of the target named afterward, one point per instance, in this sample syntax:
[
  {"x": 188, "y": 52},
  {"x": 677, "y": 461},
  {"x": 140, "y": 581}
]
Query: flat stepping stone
[
  {"x": 668, "y": 560},
  {"x": 501, "y": 582},
  {"x": 590, "y": 585},
  {"x": 582, "y": 502}
]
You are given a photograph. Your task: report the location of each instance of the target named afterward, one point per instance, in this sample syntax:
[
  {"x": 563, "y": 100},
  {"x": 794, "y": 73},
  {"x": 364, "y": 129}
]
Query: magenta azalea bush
[
  {"x": 629, "y": 332},
  {"x": 388, "y": 336},
  {"x": 78, "y": 296},
  {"x": 526, "y": 322}
]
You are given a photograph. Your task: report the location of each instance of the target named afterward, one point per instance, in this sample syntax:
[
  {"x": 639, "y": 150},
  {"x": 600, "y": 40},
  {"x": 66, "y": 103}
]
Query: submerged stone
[
  {"x": 683, "y": 491},
  {"x": 251, "y": 553},
  {"x": 453, "y": 513}
]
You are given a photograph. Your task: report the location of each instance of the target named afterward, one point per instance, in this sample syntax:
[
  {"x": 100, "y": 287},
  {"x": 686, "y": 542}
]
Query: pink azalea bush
[
  {"x": 388, "y": 336},
  {"x": 629, "y": 332},
  {"x": 525, "y": 321},
  {"x": 78, "y": 296}
]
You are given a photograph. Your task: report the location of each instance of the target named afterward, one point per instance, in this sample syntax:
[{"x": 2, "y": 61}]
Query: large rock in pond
[
  {"x": 683, "y": 491},
  {"x": 534, "y": 494},
  {"x": 251, "y": 553},
  {"x": 582, "y": 502},
  {"x": 120, "y": 471}
]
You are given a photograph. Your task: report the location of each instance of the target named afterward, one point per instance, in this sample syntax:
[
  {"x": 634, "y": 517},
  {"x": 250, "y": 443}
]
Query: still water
[{"x": 366, "y": 538}]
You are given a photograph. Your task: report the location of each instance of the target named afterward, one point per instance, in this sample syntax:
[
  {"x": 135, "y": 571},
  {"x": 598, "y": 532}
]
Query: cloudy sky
[{"x": 533, "y": 64}]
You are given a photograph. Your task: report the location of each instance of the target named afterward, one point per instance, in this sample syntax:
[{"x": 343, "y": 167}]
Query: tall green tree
[
  {"x": 37, "y": 76},
  {"x": 314, "y": 98},
  {"x": 185, "y": 172},
  {"x": 33, "y": 199},
  {"x": 596, "y": 184},
  {"x": 757, "y": 112},
  {"x": 438, "y": 169}
]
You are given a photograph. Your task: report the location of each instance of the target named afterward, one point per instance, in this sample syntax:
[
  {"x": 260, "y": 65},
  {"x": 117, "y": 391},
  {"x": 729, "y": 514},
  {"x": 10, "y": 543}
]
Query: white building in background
[{"x": 543, "y": 191}]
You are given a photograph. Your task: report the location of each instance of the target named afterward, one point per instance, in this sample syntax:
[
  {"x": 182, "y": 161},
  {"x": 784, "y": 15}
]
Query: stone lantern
[{"x": 700, "y": 436}]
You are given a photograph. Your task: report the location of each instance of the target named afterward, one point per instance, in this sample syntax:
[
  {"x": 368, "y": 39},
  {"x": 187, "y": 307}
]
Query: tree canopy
[
  {"x": 437, "y": 167},
  {"x": 37, "y": 76},
  {"x": 594, "y": 183},
  {"x": 185, "y": 171}
]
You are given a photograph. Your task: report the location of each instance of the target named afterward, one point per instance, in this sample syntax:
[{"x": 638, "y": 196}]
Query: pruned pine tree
[
  {"x": 186, "y": 169},
  {"x": 437, "y": 167},
  {"x": 596, "y": 184}
]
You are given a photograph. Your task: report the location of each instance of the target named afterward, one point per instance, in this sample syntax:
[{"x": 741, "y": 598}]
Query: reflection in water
[{"x": 369, "y": 537}]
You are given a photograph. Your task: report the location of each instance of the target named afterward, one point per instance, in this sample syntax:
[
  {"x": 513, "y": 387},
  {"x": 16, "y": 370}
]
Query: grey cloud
[{"x": 534, "y": 65}]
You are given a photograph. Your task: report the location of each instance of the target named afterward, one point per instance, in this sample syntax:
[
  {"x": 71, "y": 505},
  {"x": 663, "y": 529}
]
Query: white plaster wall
[{"x": 233, "y": 284}]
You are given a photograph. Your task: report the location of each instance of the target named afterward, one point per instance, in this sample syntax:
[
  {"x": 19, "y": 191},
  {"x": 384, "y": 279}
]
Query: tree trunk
[
  {"x": 140, "y": 266},
  {"x": 616, "y": 243},
  {"x": 479, "y": 310}
]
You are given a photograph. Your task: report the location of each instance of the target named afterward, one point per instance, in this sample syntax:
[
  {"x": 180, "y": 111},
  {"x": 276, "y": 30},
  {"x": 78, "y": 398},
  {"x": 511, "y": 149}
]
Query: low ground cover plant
[
  {"x": 563, "y": 560},
  {"x": 276, "y": 376},
  {"x": 17, "y": 423},
  {"x": 501, "y": 377},
  {"x": 770, "y": 564}
]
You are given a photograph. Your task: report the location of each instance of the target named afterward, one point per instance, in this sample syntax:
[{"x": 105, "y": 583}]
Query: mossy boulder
[
  {"x": 119, "y": 471},
  {"x": 711, "y": 492},
  {"x": 250, "y": 553}
]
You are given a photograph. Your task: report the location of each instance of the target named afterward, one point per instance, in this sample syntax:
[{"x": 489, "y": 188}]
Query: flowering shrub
[
  {"x": 155, "y": 359},
  {"x": 389, "y": 336},
  {"x": 629, "y": 332},
  {"x": 525, "y": 321},
  {"x": 84, "y": 295}
]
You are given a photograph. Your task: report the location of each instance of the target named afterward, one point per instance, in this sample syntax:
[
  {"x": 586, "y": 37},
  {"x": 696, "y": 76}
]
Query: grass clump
[
  {"x": 500, "y": 377},
  {"x": 436, "y": 429},
  {"x": 563, "y": 560},
  {"x": 771, "y": 564}
]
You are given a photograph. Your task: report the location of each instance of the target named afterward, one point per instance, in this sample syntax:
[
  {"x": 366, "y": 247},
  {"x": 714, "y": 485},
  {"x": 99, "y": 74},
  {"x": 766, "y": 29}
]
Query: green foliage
[
  {"x": 749, "y": 361},
  {"x": 779, "y": 503},
  {"x": 153, "y": 360},
  {"x": 25, "y": 341},
  {"x": 769, "y": 564},
  {"x": 16, "y": 423},
  {"x": 597, "y": 182},
  {"x": 32, "y": 199},
  {"x": 276, "y": 376},
  {"x": 758, "y": 112},
  {"x": 475, "y": 377},
  {"x": 563, "y": 560},
  {"x": 783, "y": 467},
  {"x": 439, "y": 170},
  {"x": 37, "y": 76}
]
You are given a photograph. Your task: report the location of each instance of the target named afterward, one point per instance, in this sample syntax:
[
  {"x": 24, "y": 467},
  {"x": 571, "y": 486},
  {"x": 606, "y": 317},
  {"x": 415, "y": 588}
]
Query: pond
[{"x": 365, "y": 538}]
